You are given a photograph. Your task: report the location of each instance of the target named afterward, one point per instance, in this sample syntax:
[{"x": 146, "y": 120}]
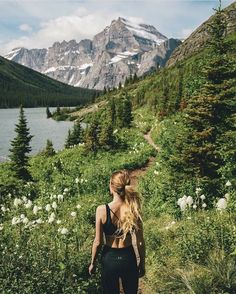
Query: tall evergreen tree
[
  {"x": 127, "y": 111},
  {"x": 91, "y": 136},
  {"x": 112, "y": 110},
  {"x": 20, "y": 147},
  {"x": 69, "y": 139},
  {"x": 74, "y": 136},
  {"x": 48, "y": 112},
  {"x": 106, "y": 138}
]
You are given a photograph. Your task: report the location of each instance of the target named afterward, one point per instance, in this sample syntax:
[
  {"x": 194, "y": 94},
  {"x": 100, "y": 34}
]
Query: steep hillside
[
  {"x": 197, "y": 40},
  {"x": 19, "y": 84}
]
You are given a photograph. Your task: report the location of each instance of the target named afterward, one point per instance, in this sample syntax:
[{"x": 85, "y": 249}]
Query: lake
[{"x": 41, "y": 127}]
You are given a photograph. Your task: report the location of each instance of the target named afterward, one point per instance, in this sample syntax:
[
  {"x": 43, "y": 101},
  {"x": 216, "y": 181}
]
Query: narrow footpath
[{"x": 135, "y": 175}]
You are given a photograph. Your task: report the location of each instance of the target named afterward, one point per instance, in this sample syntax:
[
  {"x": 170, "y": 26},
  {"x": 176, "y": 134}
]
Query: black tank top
[{"x": 108, "y": 227}]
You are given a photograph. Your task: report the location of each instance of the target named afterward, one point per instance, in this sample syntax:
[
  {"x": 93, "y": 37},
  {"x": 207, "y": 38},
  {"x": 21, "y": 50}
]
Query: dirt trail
[
  {"x": 148, "y": 138},
  {"x": 135, "y": 175}
]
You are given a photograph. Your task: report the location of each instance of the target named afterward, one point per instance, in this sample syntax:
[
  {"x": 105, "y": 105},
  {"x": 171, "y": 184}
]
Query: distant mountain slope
[
  {"x": 199, "y": 37},
  {"x": 19, "y": 84},
  {"x": 120, "y": 50}
]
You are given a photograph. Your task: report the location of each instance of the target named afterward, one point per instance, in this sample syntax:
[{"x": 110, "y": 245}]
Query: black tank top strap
[{"x": 113, "y": 213}]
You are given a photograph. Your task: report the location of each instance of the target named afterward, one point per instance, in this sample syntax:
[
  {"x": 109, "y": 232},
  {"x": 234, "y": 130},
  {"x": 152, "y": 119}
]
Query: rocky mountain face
[
  {"x": 120, "y": 50},
  {"x": 201, "y": 35}
]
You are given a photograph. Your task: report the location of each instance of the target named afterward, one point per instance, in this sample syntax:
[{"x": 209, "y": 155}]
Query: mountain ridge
[{"x": 121, "y": 47}]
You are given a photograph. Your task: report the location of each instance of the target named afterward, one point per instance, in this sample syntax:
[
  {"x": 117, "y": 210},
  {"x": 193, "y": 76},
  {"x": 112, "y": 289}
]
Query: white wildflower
[
  {"x": 182, "y": 202},
  {"x": 25, "y": 199},
  {"x": 17, "y": 202},
  {"x": 51, "y": 218},
  {"x": 58, "y": 221},
  {"x": 194, "y": 206},
  {"x": 189, "y": 200},
  {"x": 22, "y": 215},
  {"x": 203, "y": 197},
  {"x": 115, "y": 131},
  {"x": 78, "y": 206},
  {"x": 198, "y": 189},
  {"x": 221, "y": 204},
  {"x": 227, "y": 196},
  {"x": 73, "y": 213},
  {"x": 35, "y": 209},
  {"x": 25, "y": 220},
  {"x": 189, "y": 217},
  {"x": 54, "y": 205},
  {"x": 66, "y": 190},
  {"x": 228, "y": 184},
  {"x": 156, "y": 172},
  {"x": 39, "y": 221},
  {"x": 48, "y": 207},
  {"x": 3, "y": 208},
  {"x": 28, "y": 204},
  {"x": 204, "y": 205},
  {"x": 1, "y": 227},
  {"x": 60, "y": 197},
  {"x": 15, "y": 220},
  {"x": 63, "y": 231},
  {"x": 77, "y": 180}
]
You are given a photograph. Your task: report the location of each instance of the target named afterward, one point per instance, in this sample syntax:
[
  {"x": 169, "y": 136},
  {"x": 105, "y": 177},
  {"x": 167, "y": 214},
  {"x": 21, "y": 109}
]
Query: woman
[{"x": 118, "y": 221}]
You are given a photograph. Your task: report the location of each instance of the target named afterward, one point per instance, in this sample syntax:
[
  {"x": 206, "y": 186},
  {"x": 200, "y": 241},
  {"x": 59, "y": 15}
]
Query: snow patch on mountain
[
  {"x": 121, "y": 56},
  {"x": 143, "y": 31},
  {"x": 10, "y": 55}
]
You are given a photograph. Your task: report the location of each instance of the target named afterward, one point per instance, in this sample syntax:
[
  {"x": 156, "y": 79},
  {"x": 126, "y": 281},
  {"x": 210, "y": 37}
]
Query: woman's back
[{"x": 112, "y": 213}]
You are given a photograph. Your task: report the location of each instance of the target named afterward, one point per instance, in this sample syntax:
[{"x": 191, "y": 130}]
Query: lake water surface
[{"x": 41, "y": 127}]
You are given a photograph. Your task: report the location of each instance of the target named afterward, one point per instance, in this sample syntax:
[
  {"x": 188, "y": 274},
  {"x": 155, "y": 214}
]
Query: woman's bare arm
[
  {"x": 141, "y": 246},
  {"x": 98, "y": 240}
]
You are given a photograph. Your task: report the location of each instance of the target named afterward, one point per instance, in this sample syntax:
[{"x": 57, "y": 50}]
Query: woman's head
[{"x": 120, "y": 183}]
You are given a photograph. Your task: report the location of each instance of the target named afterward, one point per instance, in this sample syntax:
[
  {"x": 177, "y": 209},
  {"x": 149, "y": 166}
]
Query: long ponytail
[{"x": 120, "y": 181}]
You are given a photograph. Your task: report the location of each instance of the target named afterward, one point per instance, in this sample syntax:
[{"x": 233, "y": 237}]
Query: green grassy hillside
[{"x": 19, "y": 84}]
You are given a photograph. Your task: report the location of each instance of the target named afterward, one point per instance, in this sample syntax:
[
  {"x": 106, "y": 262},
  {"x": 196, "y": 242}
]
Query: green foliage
[
  {"x": 75, "y": 135},
  {"x": 20, "y": 147},
  {"x": 49, "y": 150},
  {"x": 22, "y": 85},
  {"x": 48, "y": 112}
]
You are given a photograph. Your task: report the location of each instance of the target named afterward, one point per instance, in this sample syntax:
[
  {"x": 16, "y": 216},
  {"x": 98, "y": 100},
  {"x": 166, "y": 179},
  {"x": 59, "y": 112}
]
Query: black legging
[{"x": 119, "y": 263}]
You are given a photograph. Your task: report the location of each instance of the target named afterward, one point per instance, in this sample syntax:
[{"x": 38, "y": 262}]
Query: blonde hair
[{"x": 120, "y": 181}]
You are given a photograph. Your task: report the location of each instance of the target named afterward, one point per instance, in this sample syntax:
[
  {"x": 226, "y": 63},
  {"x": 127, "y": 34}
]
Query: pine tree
[
  {"x": 58, "y": 110},
  {"x": 127, "y": 111},
  {"x": 220, "y": 73},
  {"x": 106, "y": 138},
  {"x": 48, "y": 112},
  {"x": 69, "y": 140},
  {"x": 49, "y": 150},
  {"x": 20, "y": 147},
  {"x": 76, "y": 133},
  {"x": 91, "y": 136},
  {"x": 112, "y": 110},
  {"x": 180, "y": 88},
  {"x": 74, "y": 136}
]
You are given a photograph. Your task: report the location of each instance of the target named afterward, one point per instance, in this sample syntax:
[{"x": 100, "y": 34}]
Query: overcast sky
[{"x": 39, "y": 23}]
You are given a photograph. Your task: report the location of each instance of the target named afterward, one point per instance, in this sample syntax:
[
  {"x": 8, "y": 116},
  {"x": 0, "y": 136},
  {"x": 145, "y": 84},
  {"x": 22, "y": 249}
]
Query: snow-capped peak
[
  {"x": 143, "y": 31},
  {"x": 10, "y": 55}
]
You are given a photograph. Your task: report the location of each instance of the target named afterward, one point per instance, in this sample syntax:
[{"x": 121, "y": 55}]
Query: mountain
[
  {"x": 198, "y": 39},
  {"x": 20, "y": 84},
  {"x": 120, "y": 50}
]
